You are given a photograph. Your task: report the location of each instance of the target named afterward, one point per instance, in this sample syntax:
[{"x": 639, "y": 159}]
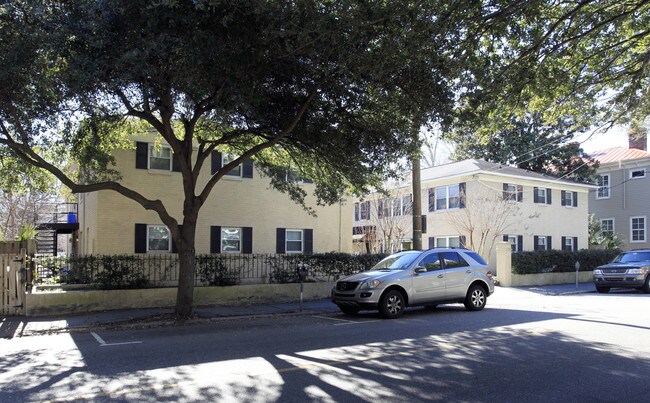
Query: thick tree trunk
[{"x": 187, "y": 269}]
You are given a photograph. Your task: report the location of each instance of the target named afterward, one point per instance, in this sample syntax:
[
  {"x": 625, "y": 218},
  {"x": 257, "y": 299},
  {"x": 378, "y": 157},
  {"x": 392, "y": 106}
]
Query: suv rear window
[
  {"x": 476, "y": 257},
  {"x": 453, "y": 259}
]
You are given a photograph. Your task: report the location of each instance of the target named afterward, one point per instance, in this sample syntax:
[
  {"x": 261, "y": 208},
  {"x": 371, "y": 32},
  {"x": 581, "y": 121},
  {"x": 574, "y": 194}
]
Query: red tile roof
[{"x": 618, "y": 154}]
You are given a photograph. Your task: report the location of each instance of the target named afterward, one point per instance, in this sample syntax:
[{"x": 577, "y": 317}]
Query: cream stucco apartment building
[
  {"x": 242, "y": 215},
  {"x": 476, "y": 203},
  {"x": 622, "y": 202}
]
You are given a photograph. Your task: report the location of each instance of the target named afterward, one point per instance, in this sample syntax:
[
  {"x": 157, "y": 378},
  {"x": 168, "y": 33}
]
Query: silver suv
[
  {"x": 627, "y": 270},
  {"x": 431, "y": 277}
]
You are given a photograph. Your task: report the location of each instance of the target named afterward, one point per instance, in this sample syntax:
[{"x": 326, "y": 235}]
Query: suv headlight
[
  {"x": 642, "y": 270},
  {"x": 598, "y": 272},
  {"x": 370, "y": 284}
]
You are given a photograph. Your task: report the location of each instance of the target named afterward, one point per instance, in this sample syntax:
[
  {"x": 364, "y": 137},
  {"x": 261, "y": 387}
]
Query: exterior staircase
[{"x": 46, "y": 241}]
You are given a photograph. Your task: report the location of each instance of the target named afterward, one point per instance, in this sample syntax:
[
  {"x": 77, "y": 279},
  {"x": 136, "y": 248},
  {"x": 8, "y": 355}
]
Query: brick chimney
[{"x": 637, "y": 138}]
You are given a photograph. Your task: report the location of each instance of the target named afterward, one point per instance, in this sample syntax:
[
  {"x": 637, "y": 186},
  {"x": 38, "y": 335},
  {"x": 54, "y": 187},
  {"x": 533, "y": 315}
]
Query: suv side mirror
[{"x": 420, "y": 269}]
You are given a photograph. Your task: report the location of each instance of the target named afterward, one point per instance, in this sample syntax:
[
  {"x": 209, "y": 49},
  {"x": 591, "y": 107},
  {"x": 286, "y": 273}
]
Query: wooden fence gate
[{"x": 13, "y": 275}]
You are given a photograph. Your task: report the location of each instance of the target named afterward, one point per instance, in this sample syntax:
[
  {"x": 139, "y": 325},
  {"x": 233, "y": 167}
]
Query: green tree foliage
[
  {"x": 529, "y": 143},
  {"x": 334, "y": 89}
]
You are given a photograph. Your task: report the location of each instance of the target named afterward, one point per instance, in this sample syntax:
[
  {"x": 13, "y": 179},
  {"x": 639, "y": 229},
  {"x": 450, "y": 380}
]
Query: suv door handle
[
  {"x": 468, "y": 271},
  {"x": 441, "y": 275}
]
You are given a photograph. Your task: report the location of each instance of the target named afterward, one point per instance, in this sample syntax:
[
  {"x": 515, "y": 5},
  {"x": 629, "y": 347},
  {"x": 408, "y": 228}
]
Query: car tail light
[{"x": 489, "y": 275}]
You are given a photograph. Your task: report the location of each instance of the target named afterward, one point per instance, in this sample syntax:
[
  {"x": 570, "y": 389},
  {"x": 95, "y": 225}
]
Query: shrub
[
  {"x": 120, "y": 272},
  {"x": 556, "y": 261},
  {"x": 321, "y": 265},
  {"x": 213, "y": 270}
]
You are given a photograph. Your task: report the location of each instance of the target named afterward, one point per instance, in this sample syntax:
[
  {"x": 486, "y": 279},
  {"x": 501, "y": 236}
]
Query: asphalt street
[{"x": 525, "y": 346}]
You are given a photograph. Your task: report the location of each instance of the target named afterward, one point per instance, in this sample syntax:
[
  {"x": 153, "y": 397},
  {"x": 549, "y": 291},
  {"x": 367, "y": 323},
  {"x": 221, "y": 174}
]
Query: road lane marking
[
  {"x": 102, "y": 343},
  {"x": 346, "y": 321}
]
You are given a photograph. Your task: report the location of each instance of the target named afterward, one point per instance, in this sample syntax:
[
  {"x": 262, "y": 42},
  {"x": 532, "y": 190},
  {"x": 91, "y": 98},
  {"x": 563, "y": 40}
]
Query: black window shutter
[
  {"x": 247, "y": 244},
  {"x": 520, "y": 243},
  {"x": 461, "y": 194},
  {"x": 564, "y": 245},
  {"x": 462, "y": 240},
  {"x": 520, "y": 193},
  {"x": 356, "y": 211},
  {"x": 140, "y": 238},
  {"x": 535, "y": 197},
  {"x": 280, "y": 234},
  {"x": 549, "y": 245},
  {"x": 424, "y": 224},
  {"x": 505, "y": 238},
  {"x": 575, "y": 243},
  {"x": 174, "y": 248},
  {"x": 505, "y": 191},
  {"x": 432, "y": 242},
  {"x": 215, "y": 239},
  {"x": 308, "y": 247},
  {"x": 176, "y": 167},
  {"x": 535, "y": 242},
  {"x": 380, "y": 208},
  {"x": 548, "y": 196},
  {"x": 247, "y": 169},
  {"x": 432, "y": 200},
  {"x": 141, "y": 155},
  {"x": 215, "y": 163},
  {"x": 575, "y": 199},
  {"x": 563, "y": 198}
]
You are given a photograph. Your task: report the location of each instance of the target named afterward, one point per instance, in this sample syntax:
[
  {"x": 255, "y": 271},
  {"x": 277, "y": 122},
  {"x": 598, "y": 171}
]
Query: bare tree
[
  {"x": 387, "y": 219},
  {"x": 482, "y": 228}
]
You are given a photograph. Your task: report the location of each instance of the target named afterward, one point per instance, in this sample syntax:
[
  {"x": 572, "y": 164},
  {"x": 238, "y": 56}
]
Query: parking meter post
[
  {"x": 301, "y": 270},
  {"x": 577, "y": 270}
]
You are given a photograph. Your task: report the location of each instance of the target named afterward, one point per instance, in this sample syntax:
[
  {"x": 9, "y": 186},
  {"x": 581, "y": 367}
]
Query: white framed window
[
  {"x": 227, "y": 159},
  {"x": 160, "y": 157},
  {"x": 294, "y": 241},
  {"x": 637, "y": 173},
  {"x": 510, "y": 191},
  {"x": 158, "y": 238},
  {"x": 607, "y": 226},
  {"x": 541, "y": 195},
  {"x": 514, "y": 244},
  {"x": 603, "y": 187},
  {"x": 231, "y": 240},
  {"x": 567, "y": 243},
  {"x": 447, "y": 242},
  {"x": 540, "y": 243},
  {"x": 444, "y": 197},
  {"x": 567, "y": 198},
  {"x": 637, "y": 229}
]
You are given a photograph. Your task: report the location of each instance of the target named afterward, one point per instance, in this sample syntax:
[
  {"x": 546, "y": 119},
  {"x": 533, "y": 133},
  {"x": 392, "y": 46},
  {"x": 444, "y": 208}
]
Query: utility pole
[{"x": 417, "y": 201}]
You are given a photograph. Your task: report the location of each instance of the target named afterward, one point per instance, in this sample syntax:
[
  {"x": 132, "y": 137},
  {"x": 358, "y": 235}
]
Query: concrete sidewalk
[{"x": 19, "y": 326}]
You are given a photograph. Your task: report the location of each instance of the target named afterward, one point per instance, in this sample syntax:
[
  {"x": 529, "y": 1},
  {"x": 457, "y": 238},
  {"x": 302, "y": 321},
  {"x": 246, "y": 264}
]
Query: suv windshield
[
  {"x": 398, "y": 261},
  {"x": 632, "y": 257}
]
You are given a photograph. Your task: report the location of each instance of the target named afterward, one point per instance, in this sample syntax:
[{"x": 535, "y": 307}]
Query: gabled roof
[
  {"x": 618, "y": 154},
  {"x": 475, "y": 166}
]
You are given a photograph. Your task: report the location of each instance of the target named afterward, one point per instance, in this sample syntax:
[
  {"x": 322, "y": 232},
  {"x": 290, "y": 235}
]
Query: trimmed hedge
[
  {"x": 557, "y": 261},
  {"x": 329, "y": 265}
]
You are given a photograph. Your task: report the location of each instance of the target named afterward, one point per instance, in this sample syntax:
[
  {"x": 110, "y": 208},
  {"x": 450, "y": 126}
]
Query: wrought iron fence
[{"x": 162, "y": 270}]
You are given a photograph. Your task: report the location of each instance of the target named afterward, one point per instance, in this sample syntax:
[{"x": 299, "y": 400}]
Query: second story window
[
  {"x": 446, "y": 197},
  {"x": 513, "y": 192},
  {"x": 227, "y": 159},
  {"x": 603, "y": 187},
  {"x": 361, "y": 211},
  {"x": 542, "y": 196},
  {"x": 607, "y": 226},
  {"x": 637, "y": 173},
  {"x": 160, "y": 158}
]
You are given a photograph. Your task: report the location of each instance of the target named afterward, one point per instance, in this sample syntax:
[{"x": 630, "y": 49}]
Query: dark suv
[
  {"x": 627, "y": 270},
  {"x": 430, "y": 277}
]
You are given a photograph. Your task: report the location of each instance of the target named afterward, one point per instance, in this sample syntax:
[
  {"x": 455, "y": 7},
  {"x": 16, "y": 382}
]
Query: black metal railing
[
  {"x": 162, "y": 270},
  {"x": 60, "y": 213}
]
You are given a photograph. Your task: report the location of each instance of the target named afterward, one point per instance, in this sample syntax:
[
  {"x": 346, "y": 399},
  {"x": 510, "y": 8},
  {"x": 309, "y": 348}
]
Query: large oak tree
[{"x": 336, "y": 88}]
